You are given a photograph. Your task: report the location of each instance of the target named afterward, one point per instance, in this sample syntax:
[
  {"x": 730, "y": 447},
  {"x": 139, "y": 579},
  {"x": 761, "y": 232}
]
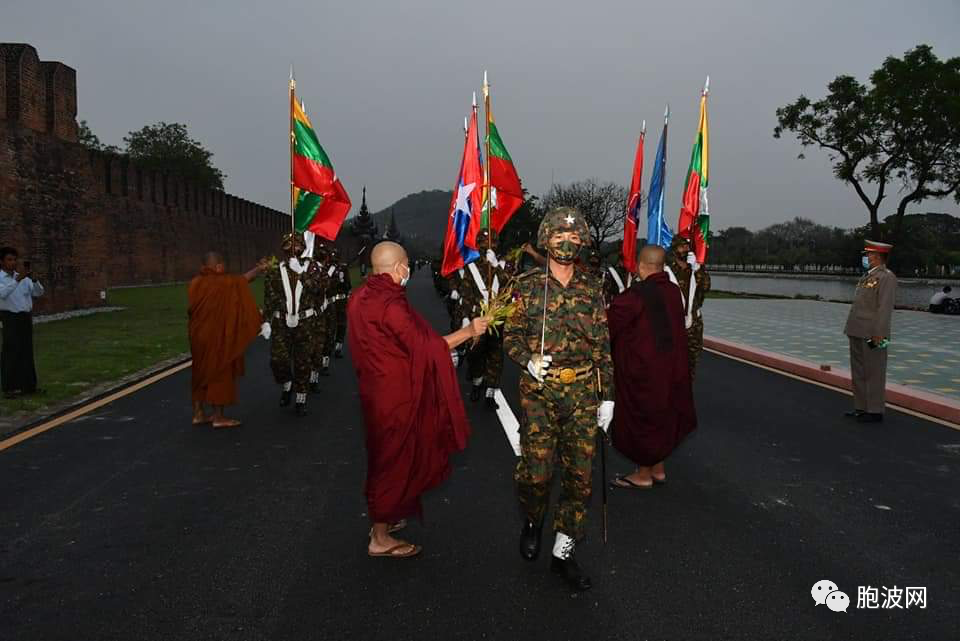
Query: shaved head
[
  {"x": 654, "y": 256},
  {"x": 385, "y": 256},
  {"x": 212, "y": 259},
  {"x": 650, "y": 260}
]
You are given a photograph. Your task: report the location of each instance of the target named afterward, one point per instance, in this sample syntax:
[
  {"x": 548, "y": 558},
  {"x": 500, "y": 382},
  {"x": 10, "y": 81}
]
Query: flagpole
[
  {"x": 486, "y": 177},
  {"x": 293, "y": 87}
]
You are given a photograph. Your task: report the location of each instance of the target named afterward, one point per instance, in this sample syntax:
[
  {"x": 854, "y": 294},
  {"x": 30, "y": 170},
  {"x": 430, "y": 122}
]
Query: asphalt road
[{"x": 131, "y": 524}]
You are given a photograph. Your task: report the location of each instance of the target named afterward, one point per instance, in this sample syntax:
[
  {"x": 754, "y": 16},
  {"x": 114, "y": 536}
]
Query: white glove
[
  {"x": 454, "y": 295},
  {"x": 466, "y": 321},
  {"x": 692, "y": 261},
  {"x": 265, "y": 330},
  {"x": 605, "y": 415},
  {"x": 538, "y": 367},
  {"x": 491, "y": 257}
]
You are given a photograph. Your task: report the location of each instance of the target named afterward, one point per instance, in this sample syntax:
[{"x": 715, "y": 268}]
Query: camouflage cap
[
  {"x": 679, "y": 239},
  {"x": 561, "y": 219},
  {"x": 482, "y": 237},
  {"x": 291, "y": 240}
]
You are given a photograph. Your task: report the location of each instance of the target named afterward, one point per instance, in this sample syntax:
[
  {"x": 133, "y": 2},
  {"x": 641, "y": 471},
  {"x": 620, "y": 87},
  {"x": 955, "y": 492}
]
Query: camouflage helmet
[
  {"x": 679, "y": 239},
  {"x": 561, "y": 219},
  {"x": 482, "y": 237},
  {"x": 292, "y": 240}
]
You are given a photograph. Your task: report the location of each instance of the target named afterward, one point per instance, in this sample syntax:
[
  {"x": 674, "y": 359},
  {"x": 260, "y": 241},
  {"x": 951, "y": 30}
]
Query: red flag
[
  {"x": 632, "y": 220},
  {"x": 465, "y": 208}
]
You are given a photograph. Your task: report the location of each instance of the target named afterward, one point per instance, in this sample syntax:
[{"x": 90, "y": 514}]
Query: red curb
[{"x": 933, "y": 405}]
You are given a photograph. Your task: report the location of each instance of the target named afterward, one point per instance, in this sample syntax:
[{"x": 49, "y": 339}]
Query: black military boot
[
  {"x": 489, "y": 401},
  {"x": 325, "y": 370},
  {"x": 870, "y": 417},
  {"x": 566, "y": 566},
  {"x": 854, "y": 413},
  {"x": 285, "y": 397},
  {"x": 530, "y": 540},
  {"x": 338, "y": 350},
  {"x": 314, "y": 382},
  {"x": 476, "y": 392}
]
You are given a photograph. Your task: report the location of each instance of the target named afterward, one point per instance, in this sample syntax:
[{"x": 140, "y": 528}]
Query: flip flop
[
  {"x": 206, "y": 420},
  {"x": 392, "y": 553},
  {"x": 624, "y": 483}
]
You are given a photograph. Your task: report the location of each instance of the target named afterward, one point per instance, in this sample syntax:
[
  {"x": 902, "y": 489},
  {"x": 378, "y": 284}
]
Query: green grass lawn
[{"x": 76, "y": 354}]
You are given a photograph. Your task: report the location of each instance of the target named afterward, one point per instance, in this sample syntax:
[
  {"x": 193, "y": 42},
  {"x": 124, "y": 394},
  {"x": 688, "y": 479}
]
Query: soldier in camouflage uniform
[
  {"x": 292, "y": 296},
  {"x": 341, "y": 288},
  {"x": 681, "y": 263},
  {"x": 485, "y": 355},
  {"x": 327, "y": 323},
  {"x": 616, "y": 280},
  {"x": 558, "y": 388}
]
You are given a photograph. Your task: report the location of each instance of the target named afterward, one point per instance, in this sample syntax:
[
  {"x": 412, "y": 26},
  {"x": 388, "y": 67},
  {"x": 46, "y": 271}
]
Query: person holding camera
[{"x": 17, "y": 291}]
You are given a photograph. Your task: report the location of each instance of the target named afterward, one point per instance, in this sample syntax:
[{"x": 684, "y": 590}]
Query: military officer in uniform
[
  {"x": 681, "y": 266},
  {"x": 483, "y": 278},
  {"x": 292, "y": 296},
  {"x": 341, "y": 288},
  {"x": 868, "y": 330},
  {"x": 559, "y": 337},
  {"x": 616, "y": 280}
]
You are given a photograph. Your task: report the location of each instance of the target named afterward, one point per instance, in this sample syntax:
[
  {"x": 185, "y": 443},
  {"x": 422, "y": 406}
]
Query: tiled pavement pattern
[{"x": 924, "y": 353}]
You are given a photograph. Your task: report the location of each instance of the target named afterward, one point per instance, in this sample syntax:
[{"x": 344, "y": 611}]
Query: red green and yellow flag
[
  {"x": 320, "y": 202},
  {"x": 506, "y": 193},
  {"x": 695, "y": 211}
]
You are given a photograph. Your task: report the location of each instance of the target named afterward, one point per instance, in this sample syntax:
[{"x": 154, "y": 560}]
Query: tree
[
  {"x": 603, "y": 205},
  {"x": 90, "y": 140},
  {"x": 167, "y": 147},
  {"x": 904, "y": 129}
]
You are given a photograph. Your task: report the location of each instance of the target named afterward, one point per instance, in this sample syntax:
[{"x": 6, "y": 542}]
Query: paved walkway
[{"x": 925, "y": 352}]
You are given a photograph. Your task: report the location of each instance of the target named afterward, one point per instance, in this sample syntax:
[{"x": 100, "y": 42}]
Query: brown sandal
[
  {"x": 202, "y": 421},
  {"x": 392, "y": 553},
  {"x": 394, "y": 527},
  {"x": 230, "y": 422}
]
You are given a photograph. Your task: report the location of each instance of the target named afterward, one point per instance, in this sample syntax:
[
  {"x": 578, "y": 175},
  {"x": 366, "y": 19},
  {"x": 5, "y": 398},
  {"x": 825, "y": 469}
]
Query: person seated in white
[
  {"x": 17, "y": 291},
  {"x": 939, "y": 299}
]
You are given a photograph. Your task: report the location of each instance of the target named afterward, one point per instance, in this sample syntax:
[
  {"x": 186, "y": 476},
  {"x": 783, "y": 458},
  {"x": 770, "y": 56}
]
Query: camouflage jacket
[
  {"x": 611, "y": 288},
  {"x": 315, "y": 282},
  {"x": 471, "y": 298},
  {"x": 576, "y": 331},
  {"x": 681, "y": 269}
]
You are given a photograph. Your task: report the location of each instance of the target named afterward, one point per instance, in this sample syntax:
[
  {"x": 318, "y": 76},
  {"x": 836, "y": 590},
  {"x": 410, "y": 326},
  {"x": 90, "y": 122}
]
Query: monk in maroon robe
[
  {"x": 223, "y": 319},
  {"x": 412, "y": 409},
  {"x": 654, "y": 408}
]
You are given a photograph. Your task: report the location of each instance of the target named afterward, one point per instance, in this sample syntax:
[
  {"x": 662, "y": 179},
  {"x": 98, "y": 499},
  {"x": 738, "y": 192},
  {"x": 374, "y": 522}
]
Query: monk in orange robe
[{"x": 223, "y": 320}]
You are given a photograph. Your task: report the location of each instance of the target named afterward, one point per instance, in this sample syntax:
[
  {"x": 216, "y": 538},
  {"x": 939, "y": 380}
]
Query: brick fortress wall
[{"x": 88, "y": 221}]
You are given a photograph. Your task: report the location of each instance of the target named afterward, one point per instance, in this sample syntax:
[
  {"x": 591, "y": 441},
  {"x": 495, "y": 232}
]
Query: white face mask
[{"x": 405, "y": 279}]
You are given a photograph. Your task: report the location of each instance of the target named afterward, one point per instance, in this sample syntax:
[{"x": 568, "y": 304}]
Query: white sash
[
  {"x": 480, "y": 284},
  {"x": 292, "y": 298},
  {"x": 616, "y": 278}
]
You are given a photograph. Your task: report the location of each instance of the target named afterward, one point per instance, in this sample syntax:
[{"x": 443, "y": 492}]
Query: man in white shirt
[
  {"x": 938, "y": 301},
  {"x": 17, "y": 291}
]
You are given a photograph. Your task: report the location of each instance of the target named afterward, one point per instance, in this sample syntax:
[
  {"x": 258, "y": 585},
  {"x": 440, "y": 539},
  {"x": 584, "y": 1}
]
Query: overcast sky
[{"x": 388, "y": 82}]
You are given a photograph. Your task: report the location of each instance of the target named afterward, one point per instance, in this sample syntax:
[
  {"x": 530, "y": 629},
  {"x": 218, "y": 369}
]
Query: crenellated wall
[{"x": 87, "y": 220}]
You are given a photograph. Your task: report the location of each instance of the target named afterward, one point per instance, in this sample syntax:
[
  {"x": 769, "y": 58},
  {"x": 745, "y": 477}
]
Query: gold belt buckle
[{"x": 567, "y": 375}]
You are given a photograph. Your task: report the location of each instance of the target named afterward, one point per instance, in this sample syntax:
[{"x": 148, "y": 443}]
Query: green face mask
[{"x": 565, "y": 252}]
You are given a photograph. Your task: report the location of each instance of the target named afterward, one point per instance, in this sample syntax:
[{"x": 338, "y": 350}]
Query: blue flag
[{"x": 658, "y": 231}]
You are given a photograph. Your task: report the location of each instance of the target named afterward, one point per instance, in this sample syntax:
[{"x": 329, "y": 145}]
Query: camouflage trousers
[
  {"x": 485, "y": 360},
  {"x": 341, "y": 309},
  {"x": 695, "y": 343},
  {"x": 291, "y": 352},
  {"x": 318, "y": 342},
  {"x": 330, "y": 320},
  {"x": 558, "y": 430}
]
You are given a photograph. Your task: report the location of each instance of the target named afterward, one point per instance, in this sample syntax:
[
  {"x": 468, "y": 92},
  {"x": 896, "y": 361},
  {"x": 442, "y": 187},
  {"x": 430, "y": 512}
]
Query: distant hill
[{"x": 421, "y": 219}]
